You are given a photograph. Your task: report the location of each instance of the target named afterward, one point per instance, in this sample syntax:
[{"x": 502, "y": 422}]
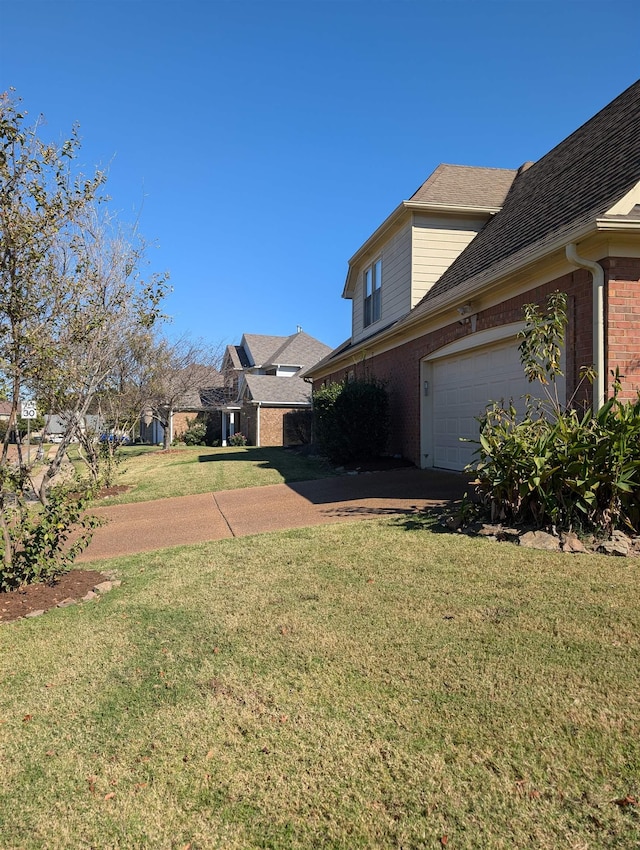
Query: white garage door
[{"x": 462, "y": 385}]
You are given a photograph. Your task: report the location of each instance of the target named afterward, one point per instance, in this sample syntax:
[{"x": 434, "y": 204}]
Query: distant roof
[
  {"x": 204, "y": 398},
  {"x": 465, "y": 186},
  {"x": 270, "y": 389},
  {"x": 299, "y": 350},
  {"x": 573, "y": 184},
  {"x": 260, "y": 347},
  {"x": 238, "y": 356}
]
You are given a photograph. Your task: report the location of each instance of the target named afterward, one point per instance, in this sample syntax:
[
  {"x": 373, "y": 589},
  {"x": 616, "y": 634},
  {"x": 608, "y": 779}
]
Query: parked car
[{"x": 116, "y": 439}]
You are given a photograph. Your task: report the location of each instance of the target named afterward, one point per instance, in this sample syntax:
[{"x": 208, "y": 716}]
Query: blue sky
[{"x": 261, "y": 143}]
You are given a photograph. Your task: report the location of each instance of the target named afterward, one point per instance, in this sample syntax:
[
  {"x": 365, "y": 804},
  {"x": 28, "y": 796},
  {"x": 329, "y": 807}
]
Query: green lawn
[
  {"x": 368, "y": 685},
  {"x": 154, "y": 474}
]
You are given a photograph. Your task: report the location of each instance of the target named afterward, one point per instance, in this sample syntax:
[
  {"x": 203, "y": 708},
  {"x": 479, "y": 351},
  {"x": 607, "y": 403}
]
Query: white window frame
[{"x": 372, "y": 293}]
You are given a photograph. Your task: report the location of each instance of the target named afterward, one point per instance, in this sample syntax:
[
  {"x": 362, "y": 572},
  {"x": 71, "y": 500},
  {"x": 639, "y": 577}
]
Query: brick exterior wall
[
  {"x": 622, "y": 312},
  {"x": 274, "y": 429},
  {"x": 180, "y": 423},
  {"x": 400, "y": 367}
]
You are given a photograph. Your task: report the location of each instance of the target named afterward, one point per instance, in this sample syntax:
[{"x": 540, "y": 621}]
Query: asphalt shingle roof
[
  {"x": 299, "y": 350},
  {"x": 260, "y": 347},
  {"x": 465, "y": 186},
  {"x": 270, "y": 389}
]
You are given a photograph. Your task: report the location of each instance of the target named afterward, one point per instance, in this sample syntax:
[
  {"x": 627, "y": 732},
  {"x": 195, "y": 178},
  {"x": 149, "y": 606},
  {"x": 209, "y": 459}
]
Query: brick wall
[
  {"x": 274, "y": 430},
  {"x": 622, "y": 316},
  {"x": 400, "y": 368},
  {"x": 180, "y": 424}
]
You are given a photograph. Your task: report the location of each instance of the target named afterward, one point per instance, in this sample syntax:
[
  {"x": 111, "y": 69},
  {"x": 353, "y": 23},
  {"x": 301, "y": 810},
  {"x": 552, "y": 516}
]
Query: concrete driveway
[{"x": 147, "y": 526}]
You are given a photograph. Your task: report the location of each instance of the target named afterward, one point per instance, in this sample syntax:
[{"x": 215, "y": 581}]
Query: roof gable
[
  {"x": 299, "y": 350},
  {"x": 260, "y": 347}
]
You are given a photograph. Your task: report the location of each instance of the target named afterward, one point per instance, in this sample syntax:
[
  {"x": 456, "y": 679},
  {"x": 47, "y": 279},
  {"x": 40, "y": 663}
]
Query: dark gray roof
[
  {"x": 575, "y": 183},
  {"x": 270, "y": 389},
  {"x": 260, "y": 347},
  {"x": 299, "y": 350},
  {"x": 237, "y": 356},
  {"x": 465, "y": 186},
  {"x": 204, "y": 398}
]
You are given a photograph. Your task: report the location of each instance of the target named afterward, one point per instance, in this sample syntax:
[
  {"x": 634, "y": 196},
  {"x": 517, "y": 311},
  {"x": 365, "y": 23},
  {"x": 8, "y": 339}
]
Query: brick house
[
  {"x": 438, "y": 289},
  {"x": 270, "y": 403}
]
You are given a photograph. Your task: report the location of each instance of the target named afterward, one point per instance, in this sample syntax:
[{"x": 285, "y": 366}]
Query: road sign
[{"x": 29, "y": 409}]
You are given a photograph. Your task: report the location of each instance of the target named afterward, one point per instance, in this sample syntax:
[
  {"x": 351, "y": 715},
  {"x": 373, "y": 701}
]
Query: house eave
[
  {"x": 456, "y": 209},
  {"x": 266, "y": 403},
  {"x": 620, "y": 225}
]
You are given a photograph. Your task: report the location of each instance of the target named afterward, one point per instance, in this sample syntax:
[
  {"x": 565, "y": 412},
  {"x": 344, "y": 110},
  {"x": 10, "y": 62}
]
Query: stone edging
[{"x": 98, "y": 590}]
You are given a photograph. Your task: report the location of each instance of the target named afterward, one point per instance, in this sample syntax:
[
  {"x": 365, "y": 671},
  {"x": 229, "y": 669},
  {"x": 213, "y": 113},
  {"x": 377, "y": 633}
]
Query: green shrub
[
  {"x": 237, "y": 439},
  {"x": 570, "y": 471},
  {"x": 195, "y": 433},
  {"x": 352, "y": 420},
  {"x": 555, "y": 466},
  {"x": 40, "y": 542}
]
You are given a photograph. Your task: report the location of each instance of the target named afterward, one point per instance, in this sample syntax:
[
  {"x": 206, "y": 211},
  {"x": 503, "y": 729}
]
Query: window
[{"x": 372, "y": 287}]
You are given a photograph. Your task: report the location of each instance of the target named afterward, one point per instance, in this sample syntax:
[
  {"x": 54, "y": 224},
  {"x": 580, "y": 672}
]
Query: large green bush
[
  {"x": 352, "y": 420},
  {"x": 568, "y": 471},
  {"x": 555, "y": 466}
]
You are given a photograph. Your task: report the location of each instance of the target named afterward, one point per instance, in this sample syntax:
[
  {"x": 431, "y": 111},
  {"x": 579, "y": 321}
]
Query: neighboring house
[
  {"x": 439, "y": 287},
  {"x": 5, "y": 411},
  {"x": 269, "y": 403},
  {"x": 188, "y": 407},
  {"x": 56, "y": 425}
]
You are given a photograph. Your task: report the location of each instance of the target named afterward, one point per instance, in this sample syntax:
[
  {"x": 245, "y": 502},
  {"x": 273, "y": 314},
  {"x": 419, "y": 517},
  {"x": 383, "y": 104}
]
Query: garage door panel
[{"x": 462, "y": 386}]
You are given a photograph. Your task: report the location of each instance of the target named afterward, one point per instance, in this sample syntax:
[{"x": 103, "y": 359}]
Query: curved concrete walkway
[{"x": 147, "y": 526}]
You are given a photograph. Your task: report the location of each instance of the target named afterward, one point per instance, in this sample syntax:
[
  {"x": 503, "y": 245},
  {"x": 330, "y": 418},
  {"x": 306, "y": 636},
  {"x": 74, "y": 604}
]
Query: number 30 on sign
[{"x": 29, "y": 409}]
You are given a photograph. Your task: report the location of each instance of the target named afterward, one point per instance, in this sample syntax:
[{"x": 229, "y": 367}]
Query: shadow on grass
[
  {"x": 428, "y": 520},
  {"x": 291, "y": 465}
]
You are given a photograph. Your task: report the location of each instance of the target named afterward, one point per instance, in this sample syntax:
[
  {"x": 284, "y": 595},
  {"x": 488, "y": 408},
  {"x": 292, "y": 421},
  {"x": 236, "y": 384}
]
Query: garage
[{"x": 457, "y": 387}]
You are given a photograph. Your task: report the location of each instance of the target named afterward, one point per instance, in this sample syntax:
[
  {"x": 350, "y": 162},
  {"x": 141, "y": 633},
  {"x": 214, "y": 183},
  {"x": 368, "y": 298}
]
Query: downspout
[
  {"x": 258, "y": 424},
  {"x": 598, "y": 320}
]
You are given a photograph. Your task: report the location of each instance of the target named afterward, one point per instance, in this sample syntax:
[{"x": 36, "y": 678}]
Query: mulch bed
[
  {"x": 115, "y": 490},
  {"x": 42, "y": 597}
]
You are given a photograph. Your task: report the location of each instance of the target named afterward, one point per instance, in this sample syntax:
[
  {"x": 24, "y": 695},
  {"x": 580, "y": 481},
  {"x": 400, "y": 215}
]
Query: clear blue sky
[{"x": 262, "y": 143}]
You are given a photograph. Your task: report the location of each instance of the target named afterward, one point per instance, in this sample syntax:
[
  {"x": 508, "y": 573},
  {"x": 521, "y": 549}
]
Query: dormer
[{"x": 417, "y": 243}]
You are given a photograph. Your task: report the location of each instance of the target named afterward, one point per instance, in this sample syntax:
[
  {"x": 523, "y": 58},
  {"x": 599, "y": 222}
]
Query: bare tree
[{"x": 179, "y": 370}]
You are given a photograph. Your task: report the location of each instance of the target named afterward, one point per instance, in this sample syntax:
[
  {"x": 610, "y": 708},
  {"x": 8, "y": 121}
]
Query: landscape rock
[
  {"x": 66, "y": 603},
  {"x": 89, "y": 596},
  {"x": 103, "y": 587},
  {"x": 37, "y": 613},
  {"x": 572, "y": 543},
  {"x": 618, "y": 545},
  {"x": 488, "y": 530},
  {"x": 540, "y": 540}
]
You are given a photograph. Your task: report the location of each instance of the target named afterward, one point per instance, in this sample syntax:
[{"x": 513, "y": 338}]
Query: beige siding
[
  {"x": 437, "y": 241},
  {"x": 396, "y": 284}
]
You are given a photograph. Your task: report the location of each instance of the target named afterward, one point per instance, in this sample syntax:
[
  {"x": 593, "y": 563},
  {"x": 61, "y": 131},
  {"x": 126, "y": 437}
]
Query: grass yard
[
  {"x": 184, "y": 471},
  {"x": 312, "y": 689}
]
